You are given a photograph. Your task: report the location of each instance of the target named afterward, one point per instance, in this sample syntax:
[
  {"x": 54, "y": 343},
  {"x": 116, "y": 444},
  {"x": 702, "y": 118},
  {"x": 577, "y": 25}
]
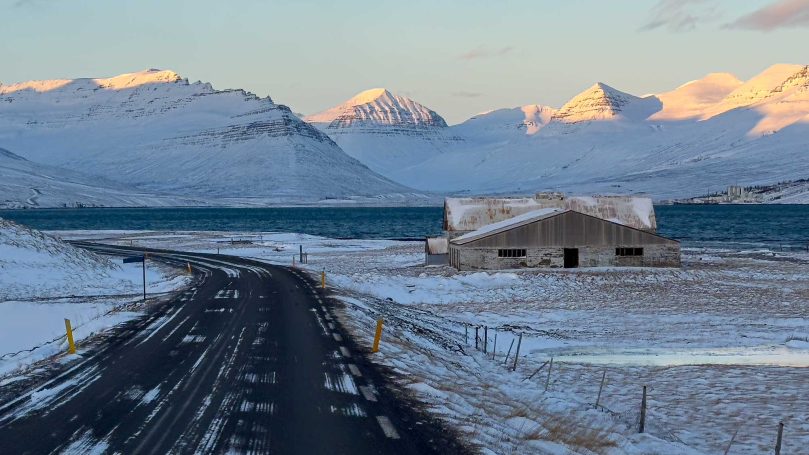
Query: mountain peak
[
  {"x": 129, "y": 80},
  {"x": 692, "y": 99},
  {"x": 599, "y": 102},
  {"x": 122, "y": 81},
  {"x": 770, "y": 82},
  {"x": 378, "y": 107},
  {"x": 369, "y": 96}
]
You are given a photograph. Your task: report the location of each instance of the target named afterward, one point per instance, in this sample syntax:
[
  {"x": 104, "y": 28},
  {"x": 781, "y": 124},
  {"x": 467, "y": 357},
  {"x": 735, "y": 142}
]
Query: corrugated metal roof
[
  {"x": 511, "y": 223},
  {"x": 470, "y": 214},
  {"x": 567, "y": 225}
]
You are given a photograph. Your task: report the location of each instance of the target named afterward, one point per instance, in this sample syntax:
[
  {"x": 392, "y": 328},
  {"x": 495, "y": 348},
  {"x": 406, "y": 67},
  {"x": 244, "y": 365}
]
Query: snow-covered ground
[
  {"x": 44, "y": 280},
  {"x": 722, "y": 344}
]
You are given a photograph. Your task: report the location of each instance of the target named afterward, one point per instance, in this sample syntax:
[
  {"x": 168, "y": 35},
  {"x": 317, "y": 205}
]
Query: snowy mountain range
[
  {"x": 156, "y": 133},
  {"x": 698, "y": 138},
  {"x": 153, "y": 138}
]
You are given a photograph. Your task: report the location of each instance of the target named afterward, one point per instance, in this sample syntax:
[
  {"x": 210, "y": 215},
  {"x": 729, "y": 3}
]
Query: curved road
[{"x": 250, "y": 359}]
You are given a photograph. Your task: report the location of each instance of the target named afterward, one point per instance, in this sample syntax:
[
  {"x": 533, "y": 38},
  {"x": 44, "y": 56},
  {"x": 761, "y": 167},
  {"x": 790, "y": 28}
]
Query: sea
[{"x": 784, "y": 227}]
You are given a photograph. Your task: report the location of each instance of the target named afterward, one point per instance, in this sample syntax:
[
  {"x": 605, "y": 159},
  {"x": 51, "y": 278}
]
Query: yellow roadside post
[
  {"x": 71, "y": 346},
  {"x": 323, "y": 279},
  {"x": 378, "y": 335},
  {"x": 189, "y": 269}
]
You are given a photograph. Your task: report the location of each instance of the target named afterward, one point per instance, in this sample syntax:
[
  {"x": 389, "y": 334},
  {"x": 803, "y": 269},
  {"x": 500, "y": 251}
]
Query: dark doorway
[{"x": 571, "y": 258}]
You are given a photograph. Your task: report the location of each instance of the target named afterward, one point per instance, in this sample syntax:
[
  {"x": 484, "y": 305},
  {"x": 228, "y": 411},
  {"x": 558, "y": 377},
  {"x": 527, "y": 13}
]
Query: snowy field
[
  {"x": 44, "y": 280},
  {"x": 722, "y": 344}
]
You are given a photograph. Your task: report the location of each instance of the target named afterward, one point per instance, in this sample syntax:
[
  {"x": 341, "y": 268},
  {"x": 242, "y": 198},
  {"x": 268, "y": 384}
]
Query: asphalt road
[{"x": 250, "y": 359}]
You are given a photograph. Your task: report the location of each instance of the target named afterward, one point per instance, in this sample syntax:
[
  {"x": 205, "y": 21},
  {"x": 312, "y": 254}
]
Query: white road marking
[
  {"x": 367, "y": 392},
  {"x": 350, "y": 410},
  {"x": 227, "y": 294},
  {"x": 387, "y": 427},
  {"x": 193, "y": 339},
  {"x": 345, "y": 352},
  {"x": 354, "y": 370},
  {"x": 337, "y": 337},
  {"x": 342, "y": 383},
  {"x": 175, "y": 329}
]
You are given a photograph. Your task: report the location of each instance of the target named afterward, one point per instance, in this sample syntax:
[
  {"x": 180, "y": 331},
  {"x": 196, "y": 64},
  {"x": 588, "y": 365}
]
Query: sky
[{"x": 457, "y": 57}]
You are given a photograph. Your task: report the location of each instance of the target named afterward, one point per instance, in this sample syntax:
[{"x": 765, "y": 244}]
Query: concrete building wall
[
  {"x": 554, "y": 257},
  {"x": 545, "y": 242},
  {"x": 436, "y": 259}
]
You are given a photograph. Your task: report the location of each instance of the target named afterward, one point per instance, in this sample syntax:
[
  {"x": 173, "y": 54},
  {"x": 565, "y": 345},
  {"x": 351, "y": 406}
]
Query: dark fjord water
[{"x": 742, "y": 225}]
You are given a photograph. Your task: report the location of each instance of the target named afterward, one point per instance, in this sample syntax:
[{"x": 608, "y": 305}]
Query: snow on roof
[
  {"x": 518, "y": 220},
  {"x": 438, "y": 245},
  {"x": 470, "y": 214}
]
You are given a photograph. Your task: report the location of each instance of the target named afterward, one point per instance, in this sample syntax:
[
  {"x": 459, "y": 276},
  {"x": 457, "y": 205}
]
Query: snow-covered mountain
[
  {"x": 527, "y": 119},
  {"x": 155, "y": 131},
  {"x": 386, "y": 132},
  {"x": 376, "y": 108},
  {"x": 25, "y": 184},
  {"x": 692, "y": 99},
  {"x": 696, "y": 139},
  {"x": 599, "y": 102},
  {"x": 774, "y": 82}
]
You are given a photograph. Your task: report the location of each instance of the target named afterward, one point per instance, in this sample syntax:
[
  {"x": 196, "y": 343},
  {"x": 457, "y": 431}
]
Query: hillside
[
  {"x": 44, "y": 280},
  {"x": 158, "y": 133},
  {"x": 26, "y": 184},
  {"x": 40, "y": 265}
]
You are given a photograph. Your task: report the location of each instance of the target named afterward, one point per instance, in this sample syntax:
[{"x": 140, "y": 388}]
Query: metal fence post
[
  {"x": 485, "y": 339},
  {"x": 643, "y": 412},
  {"x": 517, "y": 353},
  {"x": 732, "y": 438},
  {"x": 505, "y": 361},
  {"x": 601, "y": 387},
  {"x": 778, "y": 440}
]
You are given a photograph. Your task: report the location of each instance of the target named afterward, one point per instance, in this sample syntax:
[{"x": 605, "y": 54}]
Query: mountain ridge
[{"x": 157, "y": 132}]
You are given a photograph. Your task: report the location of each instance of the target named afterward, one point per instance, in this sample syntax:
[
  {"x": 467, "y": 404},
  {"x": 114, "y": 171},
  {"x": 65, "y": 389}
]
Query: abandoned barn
[{"x": 557, "y": 236}]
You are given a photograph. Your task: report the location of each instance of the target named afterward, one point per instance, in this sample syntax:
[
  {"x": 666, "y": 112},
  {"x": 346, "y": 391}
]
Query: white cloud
[
  {"x": 680, "y": 15},
  {"x": 779, "y": 14}
]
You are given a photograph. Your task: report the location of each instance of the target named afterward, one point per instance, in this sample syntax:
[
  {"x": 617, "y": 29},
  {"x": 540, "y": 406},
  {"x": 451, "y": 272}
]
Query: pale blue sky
[{"x": 457, "y": 57}]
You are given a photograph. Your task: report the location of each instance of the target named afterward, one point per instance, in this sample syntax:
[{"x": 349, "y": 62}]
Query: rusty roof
[{"x": 471, "y": 214}]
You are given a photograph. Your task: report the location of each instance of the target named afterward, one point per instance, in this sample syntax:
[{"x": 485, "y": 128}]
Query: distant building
[
  {"x": 550, "y": 231},
  {"x": 436, "y": 251},
  {"x": 735, "y": 192}
]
